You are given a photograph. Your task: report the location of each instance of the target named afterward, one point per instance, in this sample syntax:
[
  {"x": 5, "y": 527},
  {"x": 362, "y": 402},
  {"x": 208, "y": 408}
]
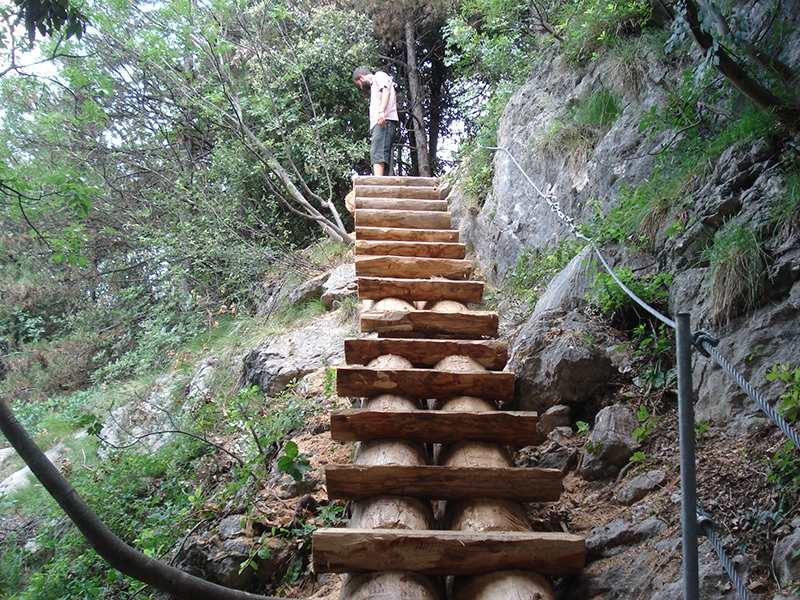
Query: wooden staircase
[{"x": 433, "y": 485}]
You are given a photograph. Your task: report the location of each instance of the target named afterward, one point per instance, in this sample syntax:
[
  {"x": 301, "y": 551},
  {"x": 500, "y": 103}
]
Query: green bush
[
  {"x": 608, "y": 298},
  {"x": 534, "y": 269},
  {"x": 599, "y": 24}
]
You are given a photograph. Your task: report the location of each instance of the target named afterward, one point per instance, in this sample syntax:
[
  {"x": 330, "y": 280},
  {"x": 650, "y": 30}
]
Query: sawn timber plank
[
  {"x": 422, "y": 352},
  {"x": 395, "y": 180},
  {"x": 377, "y": 288},
  {"x": 420, "y": 249},
  {"x": 411, "y": 267},
  {"x": 420, "y": 192},
  {"x": 433, "y": 482},
  {"x": 472, "y": 323},
  {"x": 424, "y": 219},
  {"x": 446, "y": 552},
  {"x": 424, "y": 383},
  {"x": 405, "y": 234},
  {"x": 437, "y": 426},
  {"x": 400, "y": 204}
]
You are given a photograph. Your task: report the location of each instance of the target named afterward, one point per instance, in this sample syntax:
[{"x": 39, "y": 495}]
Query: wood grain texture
[
  {"x": 421, "y": 249},
  {"x": 400, "y": 204},
  {"x": 407, "y": 234},
  {"x": 492, "y": 354},
  {"x": 423, "y": 383},
  {"x": 355, "y": 482},
  {"x": 412, "y": 290},
  {"x": 422, "y": 219},
  {"x": 432, "y": 426},
  {"x": 406, "y": 267},
  {"x": 473, "y": 324},
  {"x": 395, "y": 180},
  {"x": 446, "y": 552},
  {"x": 422, "y": 192}
]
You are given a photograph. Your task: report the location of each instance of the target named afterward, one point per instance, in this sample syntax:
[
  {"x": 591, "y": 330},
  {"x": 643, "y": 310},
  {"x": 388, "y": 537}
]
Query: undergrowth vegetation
[{"x": 210, "y": 456}]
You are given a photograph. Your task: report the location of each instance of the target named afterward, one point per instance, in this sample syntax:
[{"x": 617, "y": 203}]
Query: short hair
[{"x": 359, "y": 72}]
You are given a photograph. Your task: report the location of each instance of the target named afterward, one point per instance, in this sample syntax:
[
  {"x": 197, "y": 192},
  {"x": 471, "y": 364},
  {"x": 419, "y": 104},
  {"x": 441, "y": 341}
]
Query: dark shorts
[{"x": 380, "y": 150}]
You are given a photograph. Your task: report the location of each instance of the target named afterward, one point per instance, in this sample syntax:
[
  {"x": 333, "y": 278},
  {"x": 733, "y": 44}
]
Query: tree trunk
[
  {"x": 787, "y": 114},
  {"x": 415, "y": 98},
  {"x": 486, "y": 514},
  {"x": 390, "y": 512}
]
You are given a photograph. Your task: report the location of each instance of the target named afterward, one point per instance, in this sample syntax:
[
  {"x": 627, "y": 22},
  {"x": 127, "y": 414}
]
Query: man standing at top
[{"x": 383, "y": 118}]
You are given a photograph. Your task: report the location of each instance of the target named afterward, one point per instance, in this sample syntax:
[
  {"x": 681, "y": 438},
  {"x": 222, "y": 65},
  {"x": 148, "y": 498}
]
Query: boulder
[
  {"x": 786, "y": 556},
  {"x": 615, "y": 537},
  {"x": 341, "y": 284},
  {"x": 752, "y": 344},
  {"x": 279, "y": 359},
  {"x": 308, "y": 290},
  {"x": 568, "y": 289},
  {"x": 556, "y": 456},
  {"x": 559, "y": 358},
  {"x": 638, "y": 487},
  {"x": 610, "y": 444}
]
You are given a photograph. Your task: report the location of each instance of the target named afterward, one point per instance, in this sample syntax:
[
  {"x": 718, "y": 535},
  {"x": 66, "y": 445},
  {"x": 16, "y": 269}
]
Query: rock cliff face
[{"x": 741, "y": 186}]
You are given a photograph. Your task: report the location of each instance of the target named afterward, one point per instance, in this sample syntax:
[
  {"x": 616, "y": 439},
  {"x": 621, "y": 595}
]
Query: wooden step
[
  {"x": 395, "y": 180},
  {"x": 471, "y": 324},
  {"x": 411, "y": 290},
  {"x": 431, "y": 482},
  {"x": 400, "y": 204},
  {"x": 423, "y": 192},
  {"x": 422, "y": 219},
  {"x": 446, "y": 552},
  {"x": 421, "y": 249},
  {"x": 424, "y": 383},
  {"x": 491, "y": 354},
  {"x": 437, "y": 426},
  {"x": 401, "y": 234},
  {"x": 411, "y": 267}
]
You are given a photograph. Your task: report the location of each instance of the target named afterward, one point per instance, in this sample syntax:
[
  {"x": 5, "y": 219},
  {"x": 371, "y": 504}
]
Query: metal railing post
[{"x": 689, "y": 527}]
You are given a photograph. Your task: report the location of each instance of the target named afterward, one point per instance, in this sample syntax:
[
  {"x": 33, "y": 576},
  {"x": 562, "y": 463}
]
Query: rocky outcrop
[
  {"x": 559, "y": 358},
  {"x": 610, "y": 444},
  {"x": 279, "y": 359},
  {"x": 740, "y": 187}
]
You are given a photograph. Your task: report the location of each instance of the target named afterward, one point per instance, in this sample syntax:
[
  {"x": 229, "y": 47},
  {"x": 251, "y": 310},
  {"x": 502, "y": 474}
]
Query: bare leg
[{"x": 377, "y": 169}]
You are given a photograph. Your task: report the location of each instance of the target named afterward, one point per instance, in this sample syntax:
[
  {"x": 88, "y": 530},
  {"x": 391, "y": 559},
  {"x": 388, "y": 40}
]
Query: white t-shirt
[{"x": 380, "y": 81}]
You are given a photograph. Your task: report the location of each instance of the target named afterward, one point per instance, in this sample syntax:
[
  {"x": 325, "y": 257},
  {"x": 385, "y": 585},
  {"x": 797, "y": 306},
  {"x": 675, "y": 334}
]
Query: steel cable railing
[{"x": 692, "y": 521}]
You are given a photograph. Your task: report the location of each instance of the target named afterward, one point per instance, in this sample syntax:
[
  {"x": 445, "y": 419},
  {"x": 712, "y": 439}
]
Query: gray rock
[
  {"x": 561, "y": 434},
  {"x": 277, "y": 360},
  {"x": 339, "y": 285},
  {"x": 559, "y": 457},
  {"x": 714, "y": 580},
  {"x": 135, "y": 422},
  {"x": 614, "y": 537},
  {"x": 752, "y": 344},
  {"x": 638, "y": 487},
  {"x": 610, "y": 442},
  {"x": 559, "y": 358},
  {"x": 555, "y": 416},
  {"x": 786, "y": 556},
  {"x": 307, "y": 290},
  {"x": 199, "y": 386},
  {"x": 568, "y": 289},
  {"x": 230, "y": 527},
  {"x": 268, "y": 298}
]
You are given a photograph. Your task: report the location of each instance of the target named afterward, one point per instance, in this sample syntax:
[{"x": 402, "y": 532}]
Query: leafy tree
[
  {"x": 412, "y": 45},
  {"x": 50, "y": 16},
  {"x": 730, "y": 48}
]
